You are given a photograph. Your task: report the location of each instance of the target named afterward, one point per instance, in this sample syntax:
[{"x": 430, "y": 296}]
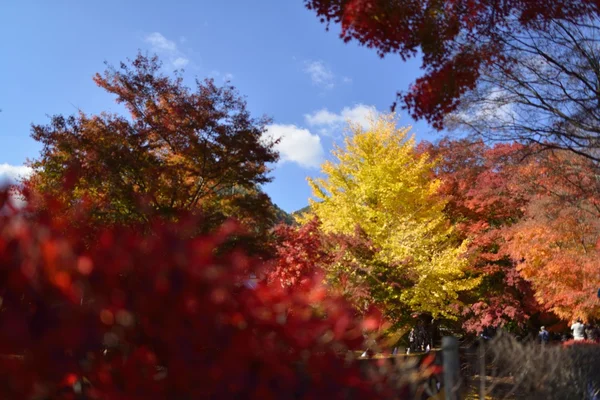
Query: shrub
[{"x": 163, "y": 315}]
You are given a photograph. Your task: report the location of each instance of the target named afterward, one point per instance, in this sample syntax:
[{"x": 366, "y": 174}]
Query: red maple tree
[
  {"x": 556, "y": 242},
  {"x": 300, "y": 254},
  {"x": 480, "y": 184}
]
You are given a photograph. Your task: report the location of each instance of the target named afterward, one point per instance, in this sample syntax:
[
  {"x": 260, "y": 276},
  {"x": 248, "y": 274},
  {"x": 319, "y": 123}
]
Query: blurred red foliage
[{"x": 163, "y": 315}]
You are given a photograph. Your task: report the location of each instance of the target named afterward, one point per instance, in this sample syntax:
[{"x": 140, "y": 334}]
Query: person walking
[
  {"x": 578, "y": 330},
  {"x": 544, "y": 335},
  {"x": 412, "y": 338}
]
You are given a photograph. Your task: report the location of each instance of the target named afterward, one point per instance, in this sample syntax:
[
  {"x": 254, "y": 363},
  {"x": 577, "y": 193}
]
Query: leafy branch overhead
[{"x": 507, "y": 70}]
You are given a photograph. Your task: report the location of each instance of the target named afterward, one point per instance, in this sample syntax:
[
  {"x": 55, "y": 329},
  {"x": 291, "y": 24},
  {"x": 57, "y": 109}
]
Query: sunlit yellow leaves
[{"x": 378, "y": 183}]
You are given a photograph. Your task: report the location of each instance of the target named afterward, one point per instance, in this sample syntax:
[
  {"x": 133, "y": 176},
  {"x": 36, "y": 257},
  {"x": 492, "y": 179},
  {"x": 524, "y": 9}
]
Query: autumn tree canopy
[
  {"x": 481, "y": 186},
  {"x": 300, "y": 254},
  {"x": 531, "y": 217},
  {"x": 556, "y": 242},
  {"x": 456, "y": 39},
  {"x": 378, "y": 183},
  {"x": 178, "y": 150}
]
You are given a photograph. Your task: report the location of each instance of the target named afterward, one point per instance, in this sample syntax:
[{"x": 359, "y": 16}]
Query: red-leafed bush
[
  {"x": 300, "y": 254},
  {"x": 162, "y": 314}
]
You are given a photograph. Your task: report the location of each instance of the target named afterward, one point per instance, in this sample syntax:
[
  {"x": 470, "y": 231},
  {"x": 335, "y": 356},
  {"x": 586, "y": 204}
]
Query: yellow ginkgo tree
[{"x": 379, "y": 183}]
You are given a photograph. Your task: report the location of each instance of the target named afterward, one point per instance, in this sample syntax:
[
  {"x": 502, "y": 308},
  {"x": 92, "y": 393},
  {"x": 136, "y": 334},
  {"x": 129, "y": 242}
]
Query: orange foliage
[{"x": 555, "y": 243}]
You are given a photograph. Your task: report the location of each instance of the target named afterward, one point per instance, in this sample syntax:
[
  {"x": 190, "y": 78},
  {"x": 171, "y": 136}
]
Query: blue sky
[{"x": 275, "y": 52}]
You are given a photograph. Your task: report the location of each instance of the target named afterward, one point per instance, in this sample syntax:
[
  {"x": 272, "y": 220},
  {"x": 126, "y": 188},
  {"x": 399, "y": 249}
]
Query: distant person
[
  {"x": 544, "y": 335},
  {"x": 412, "y": 338},
  {"x": 578, "y": 330}
]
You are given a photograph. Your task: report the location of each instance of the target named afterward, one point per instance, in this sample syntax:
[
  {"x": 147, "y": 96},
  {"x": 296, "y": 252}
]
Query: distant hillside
[
  {"x": 287, "y": 218},
  {"x": 301, "y": 211},
  {"x": 283, "y": 216}
]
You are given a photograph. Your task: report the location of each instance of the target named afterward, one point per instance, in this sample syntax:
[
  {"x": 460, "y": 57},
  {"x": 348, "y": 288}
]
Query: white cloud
[
  {"x": 494, "y": 108},
  {"x": 331, "y": 123},
  {"x": 168, "y": 48},
  {"x": 11, "y": 174},
  {"x": 161, "y": 43},
  {"x": 320, "y": 74},
  {"x": 296, "y": 145},
  {"x": 180, "y": 62},
  {"x": 347, "y": 80}
]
